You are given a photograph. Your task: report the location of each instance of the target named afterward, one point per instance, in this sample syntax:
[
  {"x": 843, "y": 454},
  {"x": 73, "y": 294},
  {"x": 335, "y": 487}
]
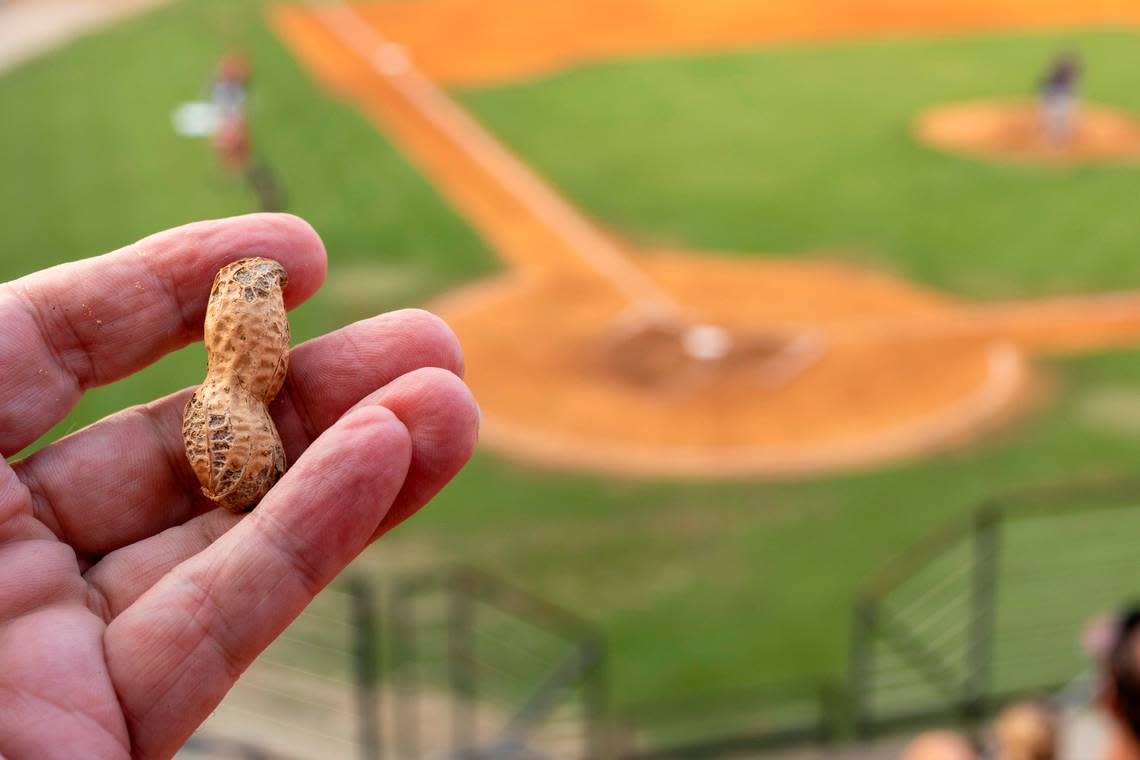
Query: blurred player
[
  {"x": 231, "y": 81},
  {"x": 1059, "y": 98},
  {"x": 232, "y": 140},
  {"x": 228, "y": 93}
]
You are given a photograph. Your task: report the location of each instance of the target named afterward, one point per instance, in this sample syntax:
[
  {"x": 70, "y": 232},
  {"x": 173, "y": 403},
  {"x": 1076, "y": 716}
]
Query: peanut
[{"x": 231, "y": 442}]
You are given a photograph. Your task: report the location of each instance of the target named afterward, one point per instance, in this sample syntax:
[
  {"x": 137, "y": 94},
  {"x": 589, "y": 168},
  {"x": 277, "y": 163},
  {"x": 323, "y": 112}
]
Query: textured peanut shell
[{"x": 231, "y": 442}]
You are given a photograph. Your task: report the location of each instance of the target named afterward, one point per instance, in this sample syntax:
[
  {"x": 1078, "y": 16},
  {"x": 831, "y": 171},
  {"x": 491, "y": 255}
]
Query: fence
[
  {"x": 742, "y": 724},
  {"x": 481, "y": 669},
  {"x": 977, "y": 613},
  {"x": 993, "y": 608},
  {"x": 311, "y": 694}
]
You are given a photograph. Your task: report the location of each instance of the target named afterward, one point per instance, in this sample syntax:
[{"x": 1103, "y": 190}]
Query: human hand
[{"x": 129, "y": 604}]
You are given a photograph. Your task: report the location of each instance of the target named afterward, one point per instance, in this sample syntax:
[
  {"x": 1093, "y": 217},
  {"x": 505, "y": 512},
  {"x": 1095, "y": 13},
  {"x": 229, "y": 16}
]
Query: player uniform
[{"x": 1059, "y": 99}]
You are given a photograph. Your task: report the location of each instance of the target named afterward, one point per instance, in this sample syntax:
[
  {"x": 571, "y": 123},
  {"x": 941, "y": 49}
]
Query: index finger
[{"x": 90, "y": 322}]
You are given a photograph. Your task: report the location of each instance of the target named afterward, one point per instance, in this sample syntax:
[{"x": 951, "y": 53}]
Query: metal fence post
[
  {"x": 983, "y": 598},
  {"x": 596, "y": 698},
  {"x": 365, "y": 673},
  {"x": 402, "y": 658},
  {"x": 461, "y": 663},
  {"x": 861, "y": 677},
  {"x": 827, "y": 703}
]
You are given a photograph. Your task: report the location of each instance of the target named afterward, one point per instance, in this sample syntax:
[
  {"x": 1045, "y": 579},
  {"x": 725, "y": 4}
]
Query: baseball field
[{"x": 933, "y": 324}]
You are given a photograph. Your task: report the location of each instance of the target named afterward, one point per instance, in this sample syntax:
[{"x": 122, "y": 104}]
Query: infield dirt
[
  {"x": 584, "y": 353},
  {"x": 1012, "y": 131}
]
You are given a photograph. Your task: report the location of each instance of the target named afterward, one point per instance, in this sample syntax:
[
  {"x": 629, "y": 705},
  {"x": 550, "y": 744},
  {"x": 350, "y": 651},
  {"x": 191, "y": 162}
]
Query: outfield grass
[
  {"x": 698, "y": 587},
  {"x": 797, "y": 150}
]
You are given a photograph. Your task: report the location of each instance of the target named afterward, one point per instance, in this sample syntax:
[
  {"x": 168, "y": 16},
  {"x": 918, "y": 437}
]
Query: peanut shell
[{"x": 231, "y": 442}]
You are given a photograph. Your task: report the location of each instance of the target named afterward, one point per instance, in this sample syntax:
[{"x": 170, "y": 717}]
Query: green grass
[
  {"x": 795, "y": 150},
  {"x": 90, "y": 163},
  {"x": 698, "y": 587}
]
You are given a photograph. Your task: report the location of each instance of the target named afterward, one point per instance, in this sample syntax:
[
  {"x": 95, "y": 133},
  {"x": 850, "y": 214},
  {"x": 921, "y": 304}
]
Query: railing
[
  {"x": 982, "y": 611},
  {"x": 311, "y": 694},
  {"x": 742, "y": 724},
  {"x": 481, "y": 669},
  {"x": 992, "y": 608}
]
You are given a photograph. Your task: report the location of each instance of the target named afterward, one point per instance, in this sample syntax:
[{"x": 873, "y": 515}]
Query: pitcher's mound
[{"x": 1012, "y": 131}]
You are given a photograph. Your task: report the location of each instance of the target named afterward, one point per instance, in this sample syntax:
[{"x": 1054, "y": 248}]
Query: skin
[
  {"x": 1025, "y": 731},
  {"x": 129, "y": 604},
  {"x": 938, "y": 745}
]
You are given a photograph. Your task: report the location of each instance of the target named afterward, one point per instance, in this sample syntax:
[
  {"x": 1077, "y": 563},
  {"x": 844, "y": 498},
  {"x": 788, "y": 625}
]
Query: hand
[{"x": 128, "y": 603}]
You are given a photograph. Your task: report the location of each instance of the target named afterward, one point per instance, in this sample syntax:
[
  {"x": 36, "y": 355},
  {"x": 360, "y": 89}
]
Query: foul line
[{"x": 389, "y": 61}]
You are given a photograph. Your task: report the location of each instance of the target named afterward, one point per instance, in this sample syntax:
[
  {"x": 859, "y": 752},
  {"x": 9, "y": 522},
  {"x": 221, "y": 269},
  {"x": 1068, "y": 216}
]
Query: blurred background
[{"x": 770, "y": 518}]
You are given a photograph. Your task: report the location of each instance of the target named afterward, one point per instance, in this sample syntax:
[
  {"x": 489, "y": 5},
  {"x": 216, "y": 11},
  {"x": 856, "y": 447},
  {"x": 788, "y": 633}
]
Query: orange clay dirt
[
  {"x": 587, "y": 353},
  {"x": 1012, "y": 131},
  {"x": 471, "y": 42}
]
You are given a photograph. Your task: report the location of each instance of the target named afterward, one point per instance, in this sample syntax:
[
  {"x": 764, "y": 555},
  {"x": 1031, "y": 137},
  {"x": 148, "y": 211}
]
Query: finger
[
  {"x": 90, "y": 322},
  {"x": 126, "y": 477},
  {"x": 124, "y": 575},
  {"x": 337, "y": 370},
  {"x": 176, "y": 651},
  {"x": 442, "y": 418},
  {"x": 442, "y": 422}
]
